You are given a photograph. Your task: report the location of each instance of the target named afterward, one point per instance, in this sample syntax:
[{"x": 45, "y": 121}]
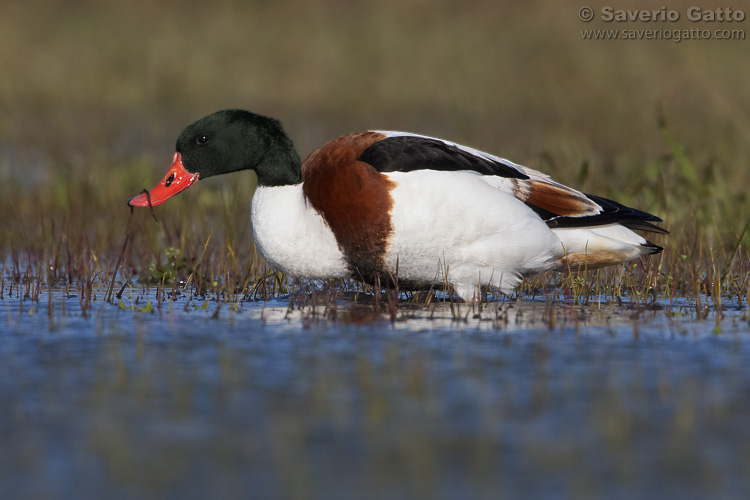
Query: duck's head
[{"x": 223, "y": 142}]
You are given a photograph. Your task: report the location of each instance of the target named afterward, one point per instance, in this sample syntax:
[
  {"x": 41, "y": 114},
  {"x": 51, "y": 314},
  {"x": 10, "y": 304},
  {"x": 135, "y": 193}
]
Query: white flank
[
  {"x": 292, "y": 236},
  {"x": 456, "y": 223}
]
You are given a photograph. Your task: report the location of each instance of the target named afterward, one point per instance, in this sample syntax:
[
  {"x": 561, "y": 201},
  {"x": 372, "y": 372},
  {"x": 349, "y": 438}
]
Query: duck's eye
[
  {"x": 202, "y": 139},
  {"x": 169, "y": 181}
]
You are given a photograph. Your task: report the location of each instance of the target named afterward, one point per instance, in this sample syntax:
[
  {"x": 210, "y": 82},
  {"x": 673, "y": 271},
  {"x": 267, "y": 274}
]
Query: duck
[{"x": 404, "y": 209}]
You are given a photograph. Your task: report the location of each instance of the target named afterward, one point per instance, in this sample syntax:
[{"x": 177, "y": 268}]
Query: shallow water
[{"x": 526, "y": 399}]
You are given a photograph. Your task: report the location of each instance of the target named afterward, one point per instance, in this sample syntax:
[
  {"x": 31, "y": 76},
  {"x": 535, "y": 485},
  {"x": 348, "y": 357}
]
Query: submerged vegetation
[{"x": 84, "y": 129}]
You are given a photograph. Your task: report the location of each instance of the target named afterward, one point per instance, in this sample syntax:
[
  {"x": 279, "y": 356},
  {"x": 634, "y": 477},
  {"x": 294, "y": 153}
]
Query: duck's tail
[{"x": 600, "y": 246}]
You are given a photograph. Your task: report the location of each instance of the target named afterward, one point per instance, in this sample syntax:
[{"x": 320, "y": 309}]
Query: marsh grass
[
  {"x": 200, "y": 246},
  {"x": 90, "y": 114}
]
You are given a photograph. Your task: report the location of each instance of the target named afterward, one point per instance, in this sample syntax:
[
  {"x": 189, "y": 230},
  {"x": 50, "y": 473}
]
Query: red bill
[{"x": 177, "y": 179}]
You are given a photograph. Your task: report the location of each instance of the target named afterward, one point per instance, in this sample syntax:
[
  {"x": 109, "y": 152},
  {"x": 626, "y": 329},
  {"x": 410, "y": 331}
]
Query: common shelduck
[{"x": 386, "y": 205}]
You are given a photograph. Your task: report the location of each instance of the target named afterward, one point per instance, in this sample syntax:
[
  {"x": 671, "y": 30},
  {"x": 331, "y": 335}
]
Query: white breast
[{"x": 292, "y": 237}]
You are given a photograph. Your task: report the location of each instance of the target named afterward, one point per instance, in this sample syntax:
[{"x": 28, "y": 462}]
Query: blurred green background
[{"x": 94, "y": 94}]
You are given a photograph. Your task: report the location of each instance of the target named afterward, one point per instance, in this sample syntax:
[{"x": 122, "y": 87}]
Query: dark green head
[
  {"x": 233, "y": 139},
  {"x": 224, "y": 142}
]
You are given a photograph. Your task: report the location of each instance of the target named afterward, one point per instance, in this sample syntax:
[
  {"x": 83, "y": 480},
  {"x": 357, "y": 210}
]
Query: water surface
[{"x": 527, "y": 399}]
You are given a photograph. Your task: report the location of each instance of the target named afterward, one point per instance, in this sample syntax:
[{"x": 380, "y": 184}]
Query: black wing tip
[
  {"x": 646, "y": 226},
  {"x": 615, "y": 207}
]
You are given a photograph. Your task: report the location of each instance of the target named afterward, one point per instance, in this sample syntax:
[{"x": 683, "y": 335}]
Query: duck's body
[
  {"x": 393, "y": 205},
  {"x": 472, "y": 248}
]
